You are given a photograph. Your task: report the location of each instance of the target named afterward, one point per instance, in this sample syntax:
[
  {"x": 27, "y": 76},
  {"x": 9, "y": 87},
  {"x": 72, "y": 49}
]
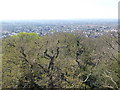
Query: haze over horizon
[{"x": 58, "y": 9}]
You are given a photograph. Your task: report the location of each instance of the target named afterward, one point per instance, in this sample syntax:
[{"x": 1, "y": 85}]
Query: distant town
[{"x": 91, "y": 28}]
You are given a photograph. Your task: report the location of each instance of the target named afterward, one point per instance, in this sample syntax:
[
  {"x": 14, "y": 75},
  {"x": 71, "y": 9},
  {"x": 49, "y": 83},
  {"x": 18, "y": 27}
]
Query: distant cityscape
[{"x": 93, "y": 28}]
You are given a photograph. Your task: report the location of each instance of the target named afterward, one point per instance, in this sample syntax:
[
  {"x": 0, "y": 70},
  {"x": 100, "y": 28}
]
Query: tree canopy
[{"x": 60, "y": 60}]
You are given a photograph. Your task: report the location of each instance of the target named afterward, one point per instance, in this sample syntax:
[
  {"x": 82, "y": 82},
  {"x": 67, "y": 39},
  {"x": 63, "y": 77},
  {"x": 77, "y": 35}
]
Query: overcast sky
[{"x": 58, "y": 9}]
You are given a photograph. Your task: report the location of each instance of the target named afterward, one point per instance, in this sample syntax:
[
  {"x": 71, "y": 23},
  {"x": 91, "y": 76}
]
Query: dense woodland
[{"x": 61, "y": 60}]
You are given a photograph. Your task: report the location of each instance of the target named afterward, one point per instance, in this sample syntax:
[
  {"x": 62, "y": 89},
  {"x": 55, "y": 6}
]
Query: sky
[{"x": 58, "y": 9}]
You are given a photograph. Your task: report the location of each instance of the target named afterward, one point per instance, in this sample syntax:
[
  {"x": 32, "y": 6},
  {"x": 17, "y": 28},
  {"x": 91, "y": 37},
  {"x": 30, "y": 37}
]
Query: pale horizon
[{"x": 58, "y": 9}]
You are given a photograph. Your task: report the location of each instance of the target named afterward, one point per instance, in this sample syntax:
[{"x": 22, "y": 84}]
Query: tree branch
[
  {"x": 111, "y": 79},
  {"x": 87, "y": 78},
  {"x": 42, "y": 68}
]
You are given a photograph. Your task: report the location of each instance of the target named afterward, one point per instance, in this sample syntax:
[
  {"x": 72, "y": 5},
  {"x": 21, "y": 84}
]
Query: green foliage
[{"x": 60, "y": 60}]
